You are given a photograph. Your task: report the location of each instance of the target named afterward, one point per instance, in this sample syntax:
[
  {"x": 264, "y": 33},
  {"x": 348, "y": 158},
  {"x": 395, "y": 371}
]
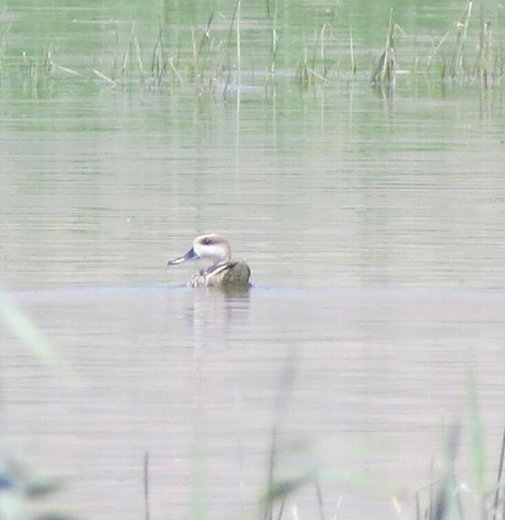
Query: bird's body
[
  {"x": 223, "y": 272},
  {"x": 227, "y": 275}
]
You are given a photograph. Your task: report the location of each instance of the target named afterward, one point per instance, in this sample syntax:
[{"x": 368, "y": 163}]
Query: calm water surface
[
  {"x": 193, "y": 377},
  {"x": 374, "y": 229}
]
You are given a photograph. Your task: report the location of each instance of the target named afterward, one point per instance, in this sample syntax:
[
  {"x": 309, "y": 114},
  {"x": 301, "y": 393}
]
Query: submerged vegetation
[{"x": 215, "y": 58}]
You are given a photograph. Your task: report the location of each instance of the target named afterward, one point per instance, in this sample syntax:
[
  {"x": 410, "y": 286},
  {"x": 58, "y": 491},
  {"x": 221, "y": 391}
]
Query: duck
[{"x": 223, "y": 272}]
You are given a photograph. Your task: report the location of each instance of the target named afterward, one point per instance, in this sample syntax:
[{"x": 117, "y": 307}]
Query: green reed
[
  {"x": 21, "y": 486},
  {"x": 307, "y": 72},
  {"x": 212, "y": 60},
  {"x": 451, "y": 496},
  {"x": 386, "y": 67},
  {"x": 455, "y": 62}
]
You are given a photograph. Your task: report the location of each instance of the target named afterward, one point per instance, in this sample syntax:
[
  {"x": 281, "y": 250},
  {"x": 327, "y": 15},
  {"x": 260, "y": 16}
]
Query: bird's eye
[{"x": 206, "y": 241}]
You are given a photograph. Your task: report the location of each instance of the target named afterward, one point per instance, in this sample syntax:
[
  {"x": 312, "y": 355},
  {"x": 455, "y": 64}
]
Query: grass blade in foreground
[{"x": 26, "y": 330}]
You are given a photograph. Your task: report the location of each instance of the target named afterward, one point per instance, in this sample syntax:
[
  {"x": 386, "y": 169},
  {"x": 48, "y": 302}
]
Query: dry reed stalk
[
  {"x": 274, "y": 38},
  {"x": 158, "y": 58},
  {"x": 385, "y": 69},
  {"x": 351, "y": 47},
  {"x": 499, "y": 485},
  {"x": 104, "y": 77},
  {"x": 234, "y": 23},
  {"x": 458, "y": 57},
  {"x": 139, "y": 58},
  {"x": 146, "y": 486},
  {"x": 483, "y": 64},
  {"x": 206, "y": 39},
  {"x": 435, "y": 51}
]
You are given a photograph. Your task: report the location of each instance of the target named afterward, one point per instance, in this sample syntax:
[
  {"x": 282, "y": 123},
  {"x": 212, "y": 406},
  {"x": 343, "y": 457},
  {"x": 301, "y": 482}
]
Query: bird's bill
[{"x": 190, "y": 255}]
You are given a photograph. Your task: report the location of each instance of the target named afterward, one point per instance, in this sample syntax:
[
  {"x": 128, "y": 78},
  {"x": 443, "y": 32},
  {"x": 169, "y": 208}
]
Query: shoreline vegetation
[
  {"x": 469, "y": 53},
  {"x": 449, "y": 493}
]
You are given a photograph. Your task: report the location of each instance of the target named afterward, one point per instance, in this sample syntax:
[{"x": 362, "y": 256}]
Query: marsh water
[{"x": 373, "y": 224}]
